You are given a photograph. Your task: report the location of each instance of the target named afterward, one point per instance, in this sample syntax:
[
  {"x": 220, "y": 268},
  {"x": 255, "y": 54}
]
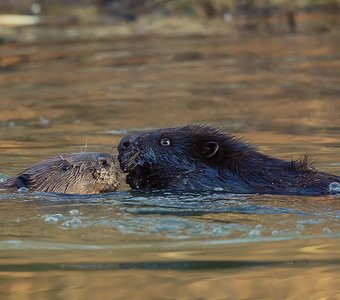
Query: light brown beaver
[
  {"x": 70, "y": 173},
  {"x": 198, "y": 157}
]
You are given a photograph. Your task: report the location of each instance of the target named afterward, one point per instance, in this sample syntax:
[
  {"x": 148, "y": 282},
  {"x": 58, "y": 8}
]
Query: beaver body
[
  {"x": 71, "y": 173},
  {"x": 198, "y": 157}
]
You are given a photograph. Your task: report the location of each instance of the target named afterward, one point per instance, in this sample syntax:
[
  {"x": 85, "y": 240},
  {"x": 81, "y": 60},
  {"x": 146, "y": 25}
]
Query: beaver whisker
[
  {"x": 133, "y": 153},
  {"x": 134, "y": 156},
  {"x": 131, "y": 165},
  {"x": 61, "y": 156},
  {"x": 131, "y": 159},
  {"x": 83, "y": 148},
  {"x": 131, "y": 162}
]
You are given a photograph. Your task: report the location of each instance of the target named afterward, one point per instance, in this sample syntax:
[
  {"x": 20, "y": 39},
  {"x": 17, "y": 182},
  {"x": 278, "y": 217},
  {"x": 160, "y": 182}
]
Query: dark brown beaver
[
  {"x": 71, "y": 173},
  {"x": 198, "y": 157}
]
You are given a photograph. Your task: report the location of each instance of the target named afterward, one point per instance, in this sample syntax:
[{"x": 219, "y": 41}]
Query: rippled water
[{"x": 279, "y": 92}]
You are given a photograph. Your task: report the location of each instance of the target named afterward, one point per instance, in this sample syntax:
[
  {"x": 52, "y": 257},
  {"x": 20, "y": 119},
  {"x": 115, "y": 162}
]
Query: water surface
[{"x": 281, "y": 93}]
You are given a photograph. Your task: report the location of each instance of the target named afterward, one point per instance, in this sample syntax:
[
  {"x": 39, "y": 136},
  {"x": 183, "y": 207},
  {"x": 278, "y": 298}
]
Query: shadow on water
[{"x": 183, "y": 265}]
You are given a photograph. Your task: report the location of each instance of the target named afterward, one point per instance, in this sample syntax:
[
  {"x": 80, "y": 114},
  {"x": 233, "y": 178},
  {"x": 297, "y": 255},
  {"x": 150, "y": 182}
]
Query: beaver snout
[
  {"x": 126, "y": 148},
  {"x": 105, "y": 173}
]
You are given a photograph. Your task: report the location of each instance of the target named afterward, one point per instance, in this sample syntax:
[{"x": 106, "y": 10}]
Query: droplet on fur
[{"x": 334, "y": 188}]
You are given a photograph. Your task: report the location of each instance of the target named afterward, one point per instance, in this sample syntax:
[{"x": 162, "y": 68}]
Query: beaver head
[
  {"x": 189, "y": 157},
  {"x": 71, "y": 173}
]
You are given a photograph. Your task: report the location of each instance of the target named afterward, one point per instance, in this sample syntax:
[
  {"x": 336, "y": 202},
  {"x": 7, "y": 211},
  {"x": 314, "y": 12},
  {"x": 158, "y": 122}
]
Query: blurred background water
[{"x": 83, "y": 75}]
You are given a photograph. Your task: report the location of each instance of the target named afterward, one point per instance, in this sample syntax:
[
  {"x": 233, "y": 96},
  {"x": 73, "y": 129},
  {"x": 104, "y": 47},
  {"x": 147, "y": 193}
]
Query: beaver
[
  {"x": 198, "y": 157},
  {"x": 70, "y": 173}
]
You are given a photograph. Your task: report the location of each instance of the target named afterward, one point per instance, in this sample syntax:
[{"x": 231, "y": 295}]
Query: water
[{"x": 280, "y": 92}]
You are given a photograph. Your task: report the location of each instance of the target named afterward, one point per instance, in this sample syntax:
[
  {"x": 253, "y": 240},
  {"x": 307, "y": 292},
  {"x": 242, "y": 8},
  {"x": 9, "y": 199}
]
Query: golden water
[{"x": 282, "y": 93}]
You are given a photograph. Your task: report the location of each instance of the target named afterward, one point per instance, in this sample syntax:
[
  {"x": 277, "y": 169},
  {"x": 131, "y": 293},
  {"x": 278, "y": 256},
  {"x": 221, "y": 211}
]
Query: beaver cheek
[
  {"x": 88, "y": 184},
  {"x": 150, "y": 157},
  {"x": 124, "y": 162}
]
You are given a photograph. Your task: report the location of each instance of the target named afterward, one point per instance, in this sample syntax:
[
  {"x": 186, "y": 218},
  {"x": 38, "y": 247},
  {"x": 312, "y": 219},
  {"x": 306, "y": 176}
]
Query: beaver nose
[
  {"x": 104, "y": 160},
  {"x": 124, "y": 144}
]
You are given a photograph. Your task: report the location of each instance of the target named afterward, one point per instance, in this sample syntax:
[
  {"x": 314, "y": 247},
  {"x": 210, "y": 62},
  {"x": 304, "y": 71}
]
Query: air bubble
[
  {"x": 52, "y": 219},
  {"x": 73, "y": 223},
  {"x": 3, "y": 177},
  {"x": 23, "y": 190},
  {"x": 74, "y": 212},
  {"x": 254, "y": 232}
]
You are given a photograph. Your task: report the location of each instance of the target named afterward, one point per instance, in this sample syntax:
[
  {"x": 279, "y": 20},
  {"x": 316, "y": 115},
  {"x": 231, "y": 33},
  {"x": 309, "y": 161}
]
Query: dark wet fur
[
  {"x": 204, "y": 158},
  {"x": 71, "y": 173}
]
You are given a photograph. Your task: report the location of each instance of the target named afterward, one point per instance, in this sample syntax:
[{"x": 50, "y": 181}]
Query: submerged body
[
  {"x": 198, "y": 157},
  {"x": 70, "y": 173}
]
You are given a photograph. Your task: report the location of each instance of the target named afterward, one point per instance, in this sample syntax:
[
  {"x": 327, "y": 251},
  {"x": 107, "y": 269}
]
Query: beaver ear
[
  {"x": 22, "y": 181},
  {"x": 209, "y": 149}
]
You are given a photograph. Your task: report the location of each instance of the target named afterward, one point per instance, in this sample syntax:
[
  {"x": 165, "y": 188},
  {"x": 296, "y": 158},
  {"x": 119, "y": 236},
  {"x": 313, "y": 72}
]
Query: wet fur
[
  {"x": 71, "y": 173},
  {"x": 203, "y": 158}
]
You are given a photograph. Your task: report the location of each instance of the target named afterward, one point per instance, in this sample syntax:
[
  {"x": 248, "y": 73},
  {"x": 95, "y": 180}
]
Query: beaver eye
[
  {"x": 66, "y": 167},
  {"x": 165, "y": 142}
]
